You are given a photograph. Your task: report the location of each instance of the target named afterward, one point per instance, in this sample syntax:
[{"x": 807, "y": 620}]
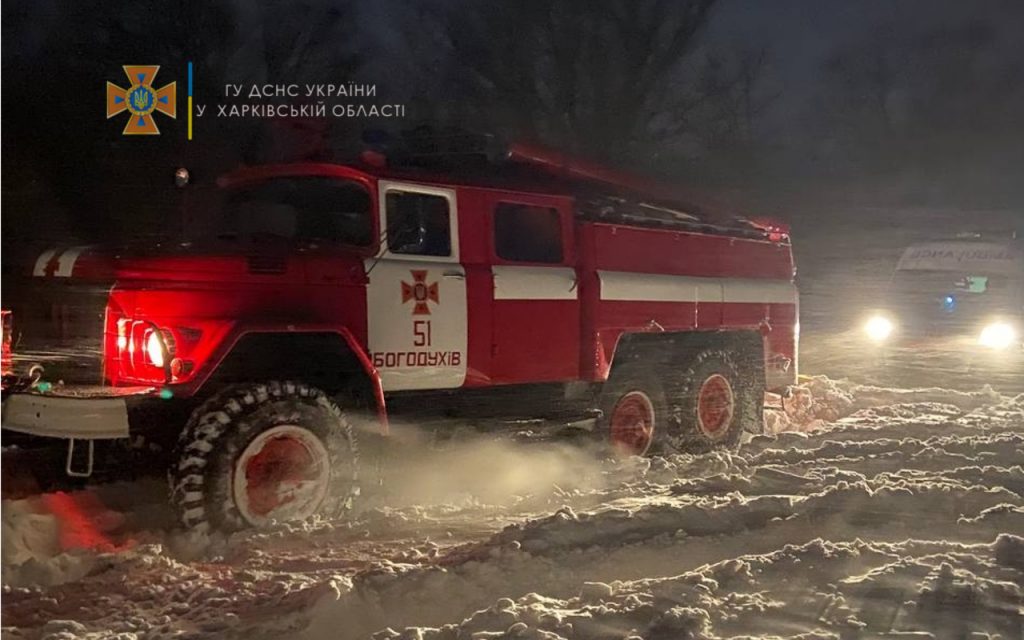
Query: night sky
[{"x": 915, "y": 103}]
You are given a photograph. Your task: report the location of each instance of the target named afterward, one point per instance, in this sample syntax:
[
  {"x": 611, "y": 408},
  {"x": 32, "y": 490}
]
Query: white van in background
[{"x": 962, "y": 293}]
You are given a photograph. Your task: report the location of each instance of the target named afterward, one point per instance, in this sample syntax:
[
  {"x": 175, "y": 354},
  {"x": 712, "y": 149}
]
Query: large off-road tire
[
  {"x": 634, "y": 412},
  {"x": 714, "y": 400},
  {"x": 258, "y": 453}
]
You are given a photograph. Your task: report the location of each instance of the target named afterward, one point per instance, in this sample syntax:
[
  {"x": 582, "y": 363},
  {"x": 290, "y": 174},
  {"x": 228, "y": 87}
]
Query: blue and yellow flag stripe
[{"x": 190, "y": 100}]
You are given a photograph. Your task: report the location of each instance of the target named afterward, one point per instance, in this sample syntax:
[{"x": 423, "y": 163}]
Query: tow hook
[{"x": 69, "y": 466}]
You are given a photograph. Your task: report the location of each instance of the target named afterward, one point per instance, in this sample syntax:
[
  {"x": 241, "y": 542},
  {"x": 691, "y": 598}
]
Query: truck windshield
[{"x": 301, "y": 208}]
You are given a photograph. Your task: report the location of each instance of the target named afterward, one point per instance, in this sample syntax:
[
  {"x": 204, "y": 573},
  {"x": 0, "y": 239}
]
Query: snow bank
[
  {"x": 934, "y": 590},
  {"x": 897, "y": 515},
  {"x": 819, "y": 400},
  {"x": 882, "y": 524}
]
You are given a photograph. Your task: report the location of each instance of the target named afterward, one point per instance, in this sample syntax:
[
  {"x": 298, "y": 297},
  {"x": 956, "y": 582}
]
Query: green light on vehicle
[
  {"x": 166, "y": 394},
  {"x": 44, "y": 387}
]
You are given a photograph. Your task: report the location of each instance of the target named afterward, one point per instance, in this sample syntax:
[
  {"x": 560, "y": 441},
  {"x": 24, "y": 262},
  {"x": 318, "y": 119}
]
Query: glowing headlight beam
[
  {"x": 998, "y": 335},
  {"x": 878, "y": 328}
]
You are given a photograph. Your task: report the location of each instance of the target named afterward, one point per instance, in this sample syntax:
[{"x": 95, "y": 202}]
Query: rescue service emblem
[
  {"x": 420, "y": 293},
  {"x": 140, "y": 99}
]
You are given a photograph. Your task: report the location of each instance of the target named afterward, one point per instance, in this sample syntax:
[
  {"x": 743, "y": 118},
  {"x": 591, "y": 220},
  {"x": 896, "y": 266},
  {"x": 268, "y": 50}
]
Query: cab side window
[
  {"x": 418, "y": 223},
  {"x": 527, "y": 233}
]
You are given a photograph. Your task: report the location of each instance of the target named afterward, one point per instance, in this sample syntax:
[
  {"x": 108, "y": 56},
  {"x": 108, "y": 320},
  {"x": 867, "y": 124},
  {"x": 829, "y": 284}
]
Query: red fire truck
[{"x": 316, "y": 297}]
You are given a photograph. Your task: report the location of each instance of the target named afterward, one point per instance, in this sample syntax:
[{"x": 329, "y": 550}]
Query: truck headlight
[
  {"x": 878, "y": 328},
  {"x": 998, "y": 335},
  {"x": 159, "y": 347}
]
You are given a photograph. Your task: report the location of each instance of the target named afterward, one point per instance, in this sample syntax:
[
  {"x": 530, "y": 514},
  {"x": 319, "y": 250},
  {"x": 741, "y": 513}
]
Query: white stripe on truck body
[
  {"x": 647, "y": 287},
  {"x": 534, "y": 283}
]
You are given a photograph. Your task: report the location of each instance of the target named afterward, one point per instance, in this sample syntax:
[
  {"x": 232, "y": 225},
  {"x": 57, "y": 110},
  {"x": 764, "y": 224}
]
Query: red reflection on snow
[{"x": 83, "y": 521}]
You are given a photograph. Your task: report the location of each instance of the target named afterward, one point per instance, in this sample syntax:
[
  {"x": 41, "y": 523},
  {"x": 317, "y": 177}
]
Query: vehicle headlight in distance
[
  {"x": 998, "y": 335},
  {"x": 878, "y": 328}
]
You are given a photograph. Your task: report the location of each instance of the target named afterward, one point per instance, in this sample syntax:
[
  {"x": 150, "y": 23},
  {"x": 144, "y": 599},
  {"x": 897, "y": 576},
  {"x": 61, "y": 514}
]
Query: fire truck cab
[{"x": 318, "y": 297}]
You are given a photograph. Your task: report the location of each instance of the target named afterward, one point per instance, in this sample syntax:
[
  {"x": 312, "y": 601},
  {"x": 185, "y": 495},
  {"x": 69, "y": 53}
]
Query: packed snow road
[{"x": 866, "y": 513}]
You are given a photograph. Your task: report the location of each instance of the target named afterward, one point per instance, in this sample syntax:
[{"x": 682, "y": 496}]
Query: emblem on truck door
[{"x": 420, "y": 292}]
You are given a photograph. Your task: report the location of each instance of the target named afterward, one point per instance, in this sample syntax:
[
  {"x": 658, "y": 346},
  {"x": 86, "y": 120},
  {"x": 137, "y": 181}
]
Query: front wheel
[{"x": 256, "y": 454}]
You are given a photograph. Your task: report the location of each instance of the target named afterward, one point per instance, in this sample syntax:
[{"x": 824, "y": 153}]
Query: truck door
[
  {"x": 536, "y": 309},
  {"x": 416, "y": 295}
]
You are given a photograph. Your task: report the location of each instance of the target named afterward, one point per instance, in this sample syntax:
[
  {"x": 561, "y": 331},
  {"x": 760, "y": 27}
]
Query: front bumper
[{"x": 82, "y": 413}]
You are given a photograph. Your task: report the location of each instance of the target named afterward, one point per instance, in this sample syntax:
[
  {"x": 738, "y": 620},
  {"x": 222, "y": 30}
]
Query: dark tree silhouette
[{"x": 600, "y": 79}]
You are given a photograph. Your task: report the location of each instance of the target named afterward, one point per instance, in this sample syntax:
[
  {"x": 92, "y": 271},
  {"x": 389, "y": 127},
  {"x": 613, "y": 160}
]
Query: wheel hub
[
  {"x": 716, "y": 405},
  {"x": 632, "y": 423},
  {"x": 282, "y": 474}
]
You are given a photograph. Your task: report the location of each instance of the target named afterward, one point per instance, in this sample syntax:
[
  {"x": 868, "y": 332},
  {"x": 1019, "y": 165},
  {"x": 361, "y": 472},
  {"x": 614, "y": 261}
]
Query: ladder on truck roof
[
  {"x": 633, "y": 200},
  {"x": 603, "y": 194}
]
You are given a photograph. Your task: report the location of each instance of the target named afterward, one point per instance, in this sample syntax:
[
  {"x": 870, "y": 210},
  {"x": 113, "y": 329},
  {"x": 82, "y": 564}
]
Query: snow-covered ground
[{"x": 866, "y": 513}]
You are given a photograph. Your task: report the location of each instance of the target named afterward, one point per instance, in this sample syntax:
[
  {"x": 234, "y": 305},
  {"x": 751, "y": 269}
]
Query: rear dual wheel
[
  {"x": 634, "y": 410},
  {"x": 717, "y": 400},
  {"x": 706, "y": 406}
]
